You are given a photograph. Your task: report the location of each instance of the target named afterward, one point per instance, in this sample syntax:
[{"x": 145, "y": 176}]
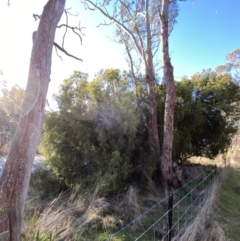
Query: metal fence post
[{"x": 170, "y": 214}]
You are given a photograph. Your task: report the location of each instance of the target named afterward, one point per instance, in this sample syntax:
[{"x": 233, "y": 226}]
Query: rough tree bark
[
  {"x": 166, "y": 154},
  {"x": 150, "y": 79},
  {"x": 16, "y": 175}
]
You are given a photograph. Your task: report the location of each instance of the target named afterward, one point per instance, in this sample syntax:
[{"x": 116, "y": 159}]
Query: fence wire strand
[
  {"x": 138, "y": 217},
  {"x": 187, "y": 219}
]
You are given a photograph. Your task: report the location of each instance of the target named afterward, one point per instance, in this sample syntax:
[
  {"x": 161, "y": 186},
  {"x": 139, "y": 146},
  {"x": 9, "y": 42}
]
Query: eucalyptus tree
[
  {"x": 232, "y": 65},
  {"x": 14, "y": 181},
  {"x": 168, "y": 173},
  {"x": 137, "y": 27}
]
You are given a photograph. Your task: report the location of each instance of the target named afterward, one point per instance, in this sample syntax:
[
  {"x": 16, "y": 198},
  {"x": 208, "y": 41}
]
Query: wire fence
[{"x": 168, "y": 218}]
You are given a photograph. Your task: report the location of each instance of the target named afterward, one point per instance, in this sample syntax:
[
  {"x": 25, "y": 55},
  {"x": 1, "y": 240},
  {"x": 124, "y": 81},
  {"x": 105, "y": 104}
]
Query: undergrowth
[
  {"x": 87, "y": 215},
  {"x": 84, "y": 215},
  {"x": 228, "y": 209},
  {"x": 218, "y": 219}
]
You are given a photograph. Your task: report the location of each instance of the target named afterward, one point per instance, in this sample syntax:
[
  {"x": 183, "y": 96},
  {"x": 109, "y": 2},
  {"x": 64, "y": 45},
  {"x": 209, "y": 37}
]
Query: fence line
[
  {"x": 192, "y": 207},
  {"x": 138, "y": 217}
]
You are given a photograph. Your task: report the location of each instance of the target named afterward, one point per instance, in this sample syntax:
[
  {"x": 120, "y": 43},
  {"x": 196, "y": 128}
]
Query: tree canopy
[
  {"x": 206, "y": 112},
  {"x": 97, "y": 132},
  {"x": 232, "y": 65},
  {"x": 142, "y": 26}
]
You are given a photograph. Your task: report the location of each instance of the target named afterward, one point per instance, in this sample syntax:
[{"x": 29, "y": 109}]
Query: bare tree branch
[
  {"x": 36, "y": 16},
  {"x": 105, "y": 13},
  {"x": 74, "y": 29},
  {"x": 65, "y": 52},
  {"x": 63, "y": 39},
  {"x": 66, "y": 9},
  {"x": 104, "y": 24},
  {"x": 57, "y": 53},
  {"x": 87, "y": 7}
]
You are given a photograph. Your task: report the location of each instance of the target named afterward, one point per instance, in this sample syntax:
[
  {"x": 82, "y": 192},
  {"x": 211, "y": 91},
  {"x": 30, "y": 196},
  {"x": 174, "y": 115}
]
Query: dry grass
[
  {"x": 47, "y": 218},
  {"x": 227, "y": 210},
  {"x": 89, "y": 216},
  {"x": 68, "y": 212},
  {"x": 129, "y": 206},
  {"x": 204, "y": 226},
  {"x": 80, "y": 214}
]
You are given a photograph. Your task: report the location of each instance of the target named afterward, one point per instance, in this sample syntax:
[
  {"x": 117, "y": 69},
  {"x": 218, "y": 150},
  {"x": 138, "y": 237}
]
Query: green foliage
[
  {"x": 31, "y": 234},
  {"x": 207, "y": 108},
  {"x": 46, "y": 183},
  {"x": 42, "y": 236},
  {"x": 232, "y": 65},
  {"x": 10, "y": 104},
  {"x": 96, "y": 132}
]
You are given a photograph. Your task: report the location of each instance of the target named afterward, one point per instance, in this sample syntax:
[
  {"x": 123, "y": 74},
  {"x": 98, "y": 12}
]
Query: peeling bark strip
[
  {"x": 16, "y": 175},
  {"x": 166, "y": 155}
]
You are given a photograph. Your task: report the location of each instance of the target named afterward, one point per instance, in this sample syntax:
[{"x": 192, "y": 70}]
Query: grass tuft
[{"x": 82, "y": 216}]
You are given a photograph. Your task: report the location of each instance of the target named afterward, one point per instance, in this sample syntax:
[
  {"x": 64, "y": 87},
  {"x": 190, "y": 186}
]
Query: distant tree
[
  {"x": 232, "y": 65},
  {"x": 10, "y": 104},
  {"x": 207, "y": 108},
  {"x": 5, "y": 130}
]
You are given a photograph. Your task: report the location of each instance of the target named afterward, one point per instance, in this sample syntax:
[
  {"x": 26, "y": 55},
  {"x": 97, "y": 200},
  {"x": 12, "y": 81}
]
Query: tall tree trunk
[
  {"x": 166, "y": 155},
  {"x": 16, "y": 175},
  {"x": 150, "y": 79},
  {"x": 152, "y": 124}
]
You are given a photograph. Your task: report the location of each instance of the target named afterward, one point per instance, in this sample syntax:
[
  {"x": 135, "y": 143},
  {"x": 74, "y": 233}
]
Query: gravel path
[{"x": 38, "y": 160}]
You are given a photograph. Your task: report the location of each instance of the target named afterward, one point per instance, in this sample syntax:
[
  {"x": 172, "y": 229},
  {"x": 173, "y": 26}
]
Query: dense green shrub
[
  {"x": 99, "y": 132},
  {"x": 46, "y": 183}
]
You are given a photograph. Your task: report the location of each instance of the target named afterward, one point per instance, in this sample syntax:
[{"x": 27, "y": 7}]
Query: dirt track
[{"x": 38, "y": 160}]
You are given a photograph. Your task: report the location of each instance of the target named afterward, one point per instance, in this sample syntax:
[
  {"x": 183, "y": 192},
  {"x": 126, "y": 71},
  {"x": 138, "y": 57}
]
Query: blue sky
[{"x": 205, "y": 33}]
